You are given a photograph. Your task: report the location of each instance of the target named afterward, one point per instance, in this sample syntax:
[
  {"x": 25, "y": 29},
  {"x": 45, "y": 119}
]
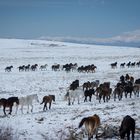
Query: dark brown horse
[
  {"x": 48, "y": 99},
  {"x": 92, "y": 124},
  {"x": 8, "y": 103},
  {"x": 104, "y": 91},
  {"x": 127, "y": 126}
]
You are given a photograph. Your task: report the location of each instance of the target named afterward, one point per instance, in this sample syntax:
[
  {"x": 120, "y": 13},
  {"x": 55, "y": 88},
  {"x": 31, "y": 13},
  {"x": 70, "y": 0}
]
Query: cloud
[
  {"x": 126, "y": 38},
  {"x": 133, "y": 36}
]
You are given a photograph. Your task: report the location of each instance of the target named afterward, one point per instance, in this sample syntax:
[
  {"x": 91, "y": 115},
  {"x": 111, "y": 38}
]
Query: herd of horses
[
  {"x": 71, "y": 67},
  {"x": 56, "y": 67},
  {"x": 92, "y": 123},
  {"x": 25, "y": 101},
  {"x": 128, "y": 65},
  {"x": 126, "y": 86}
]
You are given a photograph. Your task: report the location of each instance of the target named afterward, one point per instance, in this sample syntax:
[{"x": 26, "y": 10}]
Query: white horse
[
  {"x": 28, "y": 100},
  {"x": 71, "y": 95},
  {"x": 43, "y": 67}
]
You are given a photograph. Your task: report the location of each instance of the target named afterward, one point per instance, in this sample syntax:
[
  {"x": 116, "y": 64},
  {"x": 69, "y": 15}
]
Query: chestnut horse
[
  {"x": 48, "y": 99},
  {"x": 91, "y": 124},
  {"x": 9, "y": 103}
]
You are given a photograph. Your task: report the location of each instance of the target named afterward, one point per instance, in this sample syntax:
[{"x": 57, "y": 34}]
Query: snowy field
[{"x": 56, "y": 123}]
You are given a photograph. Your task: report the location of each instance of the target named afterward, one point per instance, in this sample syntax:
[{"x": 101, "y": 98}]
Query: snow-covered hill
[{"x": 54, "y": 124}]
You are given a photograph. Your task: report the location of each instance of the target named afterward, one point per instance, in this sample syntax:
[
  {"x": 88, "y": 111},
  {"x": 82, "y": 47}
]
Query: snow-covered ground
[{"x": 54, "y": 124}]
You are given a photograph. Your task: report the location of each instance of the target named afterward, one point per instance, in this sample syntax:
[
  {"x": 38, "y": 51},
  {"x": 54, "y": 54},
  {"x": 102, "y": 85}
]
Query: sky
[{"x": 69, "y": 18}]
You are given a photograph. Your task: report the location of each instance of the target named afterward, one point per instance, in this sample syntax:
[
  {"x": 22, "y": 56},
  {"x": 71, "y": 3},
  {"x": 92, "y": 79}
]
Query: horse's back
[
  {"x": 12, "y": 99},
  {"x": 77, "y": 92},
  {"x": 24, "y": 100},
  {"x": 128, "y": 122},
  {"x": 46, "y": 99}
]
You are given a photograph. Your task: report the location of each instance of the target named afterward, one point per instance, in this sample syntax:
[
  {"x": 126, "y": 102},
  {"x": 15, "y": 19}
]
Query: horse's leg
[
  {"x": 114, "y": 97},
  {"x": 133, "y": 132},
  {"x": 22, "y": 109},
  {"x": 69, "y": 101},
  {"x": 119, "y": 97},
  {"x": 50, "y": 105},
  {"x": 4, "y": 110},
  {"x": 90, "y": 98},
  {"x": 85, "y": 98},
  {"x": 104, "y": 98},
  {"x": 28, "y": 109},
  {"x": 10, "y": 109},
  {"x": 73, "y": 100},
  {"x": 107, "y": 98},
  {"x": 100, "y": 98},
  {"x": 128, "y": 135},
  {"x": 125, "y": 94},
  {"x": 130, "y": 94},
  {"x": 44, "y": 106},
  {"x": 31, "y": 108},
  {"x": 16, "y": 108},
  {"x": 78, "y": 100}
]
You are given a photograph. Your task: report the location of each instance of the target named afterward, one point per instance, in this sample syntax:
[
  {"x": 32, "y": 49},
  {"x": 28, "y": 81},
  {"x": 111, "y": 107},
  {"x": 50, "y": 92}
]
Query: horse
[
  {"x": 8, "y": 68},
  {"x": 136, "y": 89},
  {"x": 95, "y": 84},
  {"x": 34, "y": 67},
  {"x": 73, "y": 94},
  {"x": 92, "y": 124},
  {"x": 56, "y": 67},
  {"x": 113, "y": 65},
  {"x": 128, "y": 89},
  {"x": 28, "y": 100},
  {"x": 118, "y": 91},
  {"x": 127, "y": 125},
  {"x": 88, "y": 93},
  {"x": 86, "y": 85},
  {"x": 104, "y": 91},
  {"x": 43, "y": 67},
  {"x": 21, "y": 68},
  {"x": 48, "y": 99},
  {"x": 9, "y": 103},
  {"x": 74, "y": 85},
  {"x": 122, "y": 65},
  {"x": 27, "y": 68}
]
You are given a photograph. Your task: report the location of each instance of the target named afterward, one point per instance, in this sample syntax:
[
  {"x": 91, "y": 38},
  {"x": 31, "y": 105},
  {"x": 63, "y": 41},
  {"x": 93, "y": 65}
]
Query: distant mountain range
[
  {"x": 131, "y": 39},
  {"x": 94, "y": 41}
]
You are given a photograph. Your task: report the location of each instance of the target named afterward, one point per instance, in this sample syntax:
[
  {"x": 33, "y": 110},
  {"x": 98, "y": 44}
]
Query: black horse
[
  {"x": 127, "y": 125},
  {"x": 88, "y": 93},
  {"x": 8, "y": 68},
  {"x": 8, "y": 103}
]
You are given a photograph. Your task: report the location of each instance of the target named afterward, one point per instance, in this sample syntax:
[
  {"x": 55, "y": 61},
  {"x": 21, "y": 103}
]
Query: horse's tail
[
  {"x": 82, "y": 122},
  {"x": 42, "y": 101}
]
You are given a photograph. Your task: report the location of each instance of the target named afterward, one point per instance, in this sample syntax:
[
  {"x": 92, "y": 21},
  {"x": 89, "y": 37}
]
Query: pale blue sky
[{"x": 74, "y": 18}]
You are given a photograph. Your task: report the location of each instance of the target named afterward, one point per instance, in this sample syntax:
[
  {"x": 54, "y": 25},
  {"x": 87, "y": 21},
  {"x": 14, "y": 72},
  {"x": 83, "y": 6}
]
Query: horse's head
[
  {"x": 122, "y": 133},
  {"x": 53, "y": 98}
]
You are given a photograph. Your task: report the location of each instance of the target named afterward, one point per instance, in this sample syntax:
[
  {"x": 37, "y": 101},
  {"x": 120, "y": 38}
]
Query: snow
[{"x": 54, "y": 124}]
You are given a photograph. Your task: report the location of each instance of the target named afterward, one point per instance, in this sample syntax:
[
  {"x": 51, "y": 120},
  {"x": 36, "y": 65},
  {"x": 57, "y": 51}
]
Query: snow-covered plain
[{"x": 55, "y": 123}]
